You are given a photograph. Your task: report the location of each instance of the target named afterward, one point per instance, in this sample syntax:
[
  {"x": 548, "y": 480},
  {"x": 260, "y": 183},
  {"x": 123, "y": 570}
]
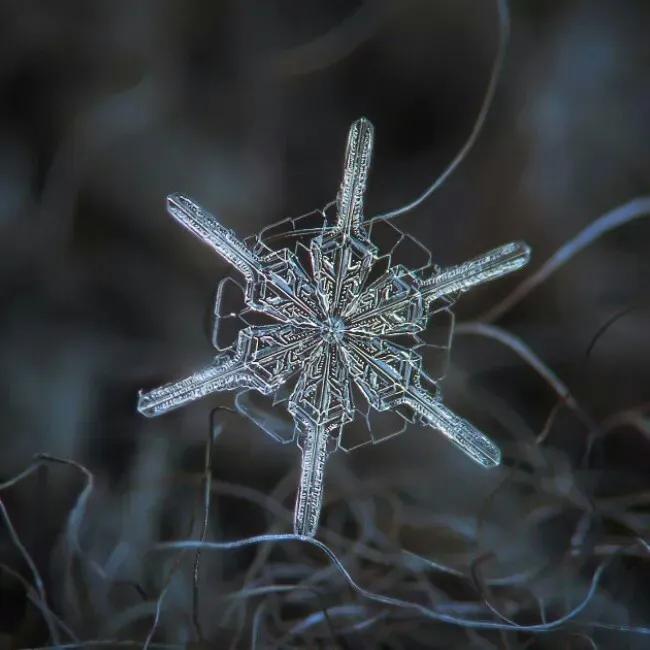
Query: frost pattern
[{"x": 333, "y": 325}]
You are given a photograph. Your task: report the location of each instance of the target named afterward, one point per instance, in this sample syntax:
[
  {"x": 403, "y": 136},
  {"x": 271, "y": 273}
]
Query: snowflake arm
[
  {"x": 224, "y": 373},
  {"x": 390, "y": 376},
  {"x": 342, "y": 258},
  {"x": 320, "y": 404},
  {"x": 276, "y": 284},
  {"x": 490, "y": 266},
  {"x": 398, "y": 303},
  {"x": 358, "y": 154},
  {"x": 263, "y": 359}
]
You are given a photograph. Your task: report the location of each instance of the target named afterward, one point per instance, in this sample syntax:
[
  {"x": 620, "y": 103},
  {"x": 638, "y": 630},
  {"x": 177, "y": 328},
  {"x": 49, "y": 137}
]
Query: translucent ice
[{"x": 339, "y": 303}]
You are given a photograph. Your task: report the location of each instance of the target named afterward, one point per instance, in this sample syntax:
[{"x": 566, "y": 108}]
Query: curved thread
[
  {"x": 423, "y": 610},
  {"x": 634, "y": 209},
  {"x": 497, "y": 67}
]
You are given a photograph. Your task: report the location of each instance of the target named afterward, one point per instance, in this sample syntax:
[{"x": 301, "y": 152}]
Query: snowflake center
[{"x": 334, "y": 329}]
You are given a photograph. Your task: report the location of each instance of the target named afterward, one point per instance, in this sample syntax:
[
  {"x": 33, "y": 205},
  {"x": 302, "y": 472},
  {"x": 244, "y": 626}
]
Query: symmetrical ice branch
[{"x": 340, "y": 309}]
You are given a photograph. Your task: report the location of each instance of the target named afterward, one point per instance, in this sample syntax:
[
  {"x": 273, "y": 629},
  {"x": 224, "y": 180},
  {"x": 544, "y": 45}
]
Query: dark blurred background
[{"x": 107, "y": 107}]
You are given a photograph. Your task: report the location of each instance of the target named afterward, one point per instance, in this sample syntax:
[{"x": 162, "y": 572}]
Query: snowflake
[{"x": 344, "y": 324}]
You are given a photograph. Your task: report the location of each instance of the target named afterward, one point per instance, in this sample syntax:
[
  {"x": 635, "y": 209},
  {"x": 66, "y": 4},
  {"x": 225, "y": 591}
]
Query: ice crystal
[{"x": 346, "y": 325}]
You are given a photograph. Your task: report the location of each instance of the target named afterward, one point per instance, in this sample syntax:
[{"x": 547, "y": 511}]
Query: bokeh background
[{"x": 108, "y": 106}]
